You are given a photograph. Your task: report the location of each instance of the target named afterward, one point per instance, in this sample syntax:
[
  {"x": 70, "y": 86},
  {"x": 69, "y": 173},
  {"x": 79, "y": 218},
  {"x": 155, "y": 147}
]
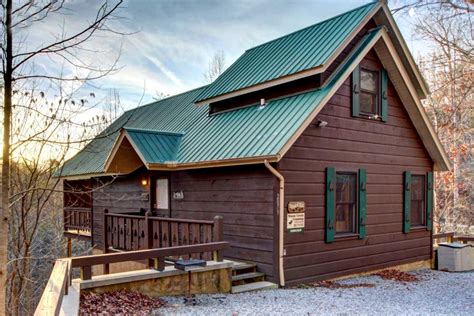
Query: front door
[{"x": 160, "y": 196}]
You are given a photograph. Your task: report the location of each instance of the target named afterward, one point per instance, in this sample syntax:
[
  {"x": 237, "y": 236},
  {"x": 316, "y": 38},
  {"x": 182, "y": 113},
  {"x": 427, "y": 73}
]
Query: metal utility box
[{"x": 455, "y": 257}]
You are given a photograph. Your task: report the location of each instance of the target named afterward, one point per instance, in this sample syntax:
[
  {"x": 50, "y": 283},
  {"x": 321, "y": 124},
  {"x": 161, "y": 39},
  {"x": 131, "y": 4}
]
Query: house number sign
[{"x": 295, "y": 217}]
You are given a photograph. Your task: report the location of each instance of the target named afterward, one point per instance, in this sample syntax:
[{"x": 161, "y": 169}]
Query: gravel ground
[{"x": 436, "y": 293}]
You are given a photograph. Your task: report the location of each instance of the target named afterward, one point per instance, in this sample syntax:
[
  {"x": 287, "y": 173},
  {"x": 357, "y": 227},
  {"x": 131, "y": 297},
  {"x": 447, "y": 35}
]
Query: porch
[{"x": 130, "y": 232}]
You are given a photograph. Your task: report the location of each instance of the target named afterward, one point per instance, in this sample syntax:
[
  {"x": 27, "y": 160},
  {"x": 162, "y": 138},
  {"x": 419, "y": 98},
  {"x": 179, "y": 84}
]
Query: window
[
  {"x": 369, "y": 92},
  {"x": 162, "y": 195},
  {"x": 346, "y": 202},
  {"x": 417, "y": 200}
]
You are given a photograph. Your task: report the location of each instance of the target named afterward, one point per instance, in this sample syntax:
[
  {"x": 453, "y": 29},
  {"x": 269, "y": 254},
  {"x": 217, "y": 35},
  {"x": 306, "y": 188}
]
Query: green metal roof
[
  {"x": 247, "y": 132},
  {"x": 302, "y": 50},
  {"x": 155, "y": 146}
]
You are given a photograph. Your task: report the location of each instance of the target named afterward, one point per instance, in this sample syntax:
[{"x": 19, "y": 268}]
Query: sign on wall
[{"x": 295, "y": 217}]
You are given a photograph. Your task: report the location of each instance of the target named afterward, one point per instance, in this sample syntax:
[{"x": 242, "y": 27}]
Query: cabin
[{"x": 312, "y": 153}]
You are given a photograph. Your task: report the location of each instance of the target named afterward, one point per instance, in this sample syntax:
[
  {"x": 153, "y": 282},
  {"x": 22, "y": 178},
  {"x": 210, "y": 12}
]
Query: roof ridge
[{"x": 313, "y": 25}]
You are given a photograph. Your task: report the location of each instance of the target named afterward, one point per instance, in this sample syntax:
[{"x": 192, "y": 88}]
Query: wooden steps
[
  {"x": 245, "y": 278},
  {"x": 256, "y": 286}
]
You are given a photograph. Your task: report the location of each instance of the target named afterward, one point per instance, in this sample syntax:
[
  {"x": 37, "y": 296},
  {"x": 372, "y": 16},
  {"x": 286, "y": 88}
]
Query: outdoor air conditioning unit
[{"x": 455, "y": 257}]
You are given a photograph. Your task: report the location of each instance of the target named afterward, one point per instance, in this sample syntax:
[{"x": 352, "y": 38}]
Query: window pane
[
  {"x": 345, "y": 202},
  {"x": 162, "y": 193},
  {"x": 417, "y": 203},
  {"x": 368, "y": 81},
  {"x": 368, "y": 103}
]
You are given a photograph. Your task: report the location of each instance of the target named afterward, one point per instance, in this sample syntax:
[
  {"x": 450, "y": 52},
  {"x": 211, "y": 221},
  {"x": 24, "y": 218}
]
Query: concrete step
[
  {"x": 256, "y": 286},
  {"x": 247, "y": 276}
]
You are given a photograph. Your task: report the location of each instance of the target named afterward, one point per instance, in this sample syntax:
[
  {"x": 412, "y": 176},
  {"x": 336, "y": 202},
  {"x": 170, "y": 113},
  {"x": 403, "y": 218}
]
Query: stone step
[
  {"x": 256, "y": 286},
  {"x": 247, "y": 276}
]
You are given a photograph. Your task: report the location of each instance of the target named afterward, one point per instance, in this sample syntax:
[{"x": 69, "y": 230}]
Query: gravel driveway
[{"x": 436, "y": 293}]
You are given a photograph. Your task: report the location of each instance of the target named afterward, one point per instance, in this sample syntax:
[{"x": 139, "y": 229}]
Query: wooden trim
[
  {"x": 90, "y": 176},
  {"x": 116, "y": 147},
  {"x": 444, "y": 164},
  {"x": 212, "y": 164},
  {"x": 406, "y": 52},
  {"x": 295, "y": 76}
]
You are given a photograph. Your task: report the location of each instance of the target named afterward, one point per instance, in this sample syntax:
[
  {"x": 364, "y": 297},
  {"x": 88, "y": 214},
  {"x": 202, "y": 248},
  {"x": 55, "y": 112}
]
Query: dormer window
[{"x": 369, "y": 94}]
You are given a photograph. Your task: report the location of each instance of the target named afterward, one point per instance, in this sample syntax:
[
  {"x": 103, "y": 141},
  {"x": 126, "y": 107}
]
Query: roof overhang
[
  {"x": 381, "y": 14},
  {"x": 126, "y": 157},
  {"x": 398, "y": 74}
]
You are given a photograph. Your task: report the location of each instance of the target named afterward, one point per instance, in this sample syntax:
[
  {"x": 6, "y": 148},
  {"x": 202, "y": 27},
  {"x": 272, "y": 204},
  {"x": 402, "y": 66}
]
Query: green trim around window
[
  {"x": 406, "y": 201},
  {"x": 429, "y": 200},
  {"x": 330, "y": 204},
  {"x": 362, "y": 202}
]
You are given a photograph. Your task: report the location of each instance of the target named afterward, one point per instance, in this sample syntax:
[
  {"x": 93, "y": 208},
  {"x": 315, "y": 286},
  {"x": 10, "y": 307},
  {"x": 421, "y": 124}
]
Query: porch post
[
  {"x": 105, "y": 240},
  {"x": 69, "y": 247},
  {"x": 149, "y": 237},
  {"x": 218, "y": 235}
]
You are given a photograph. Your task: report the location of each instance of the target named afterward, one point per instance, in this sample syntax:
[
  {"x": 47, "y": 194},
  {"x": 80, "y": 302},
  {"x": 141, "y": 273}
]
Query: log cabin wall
[
  {"x": 124, "y": 194},
  {"x": 245, "y": 196},
  {"x": 385, "y": 150}
]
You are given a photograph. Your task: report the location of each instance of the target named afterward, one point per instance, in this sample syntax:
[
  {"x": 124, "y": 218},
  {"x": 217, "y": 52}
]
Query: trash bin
[{"x": 455, "y": 257}]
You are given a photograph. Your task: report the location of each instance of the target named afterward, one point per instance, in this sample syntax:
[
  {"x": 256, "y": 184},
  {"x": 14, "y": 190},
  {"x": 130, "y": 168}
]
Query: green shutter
[
  {"x": 406, "y": 201},
  {"x": 429, "y": 201},
  {"x": 362, "y": 202},
  {"x": 330, "y": 203},
  {"x": 355, "y": 92},
  {"x": 384, "y": 95}
]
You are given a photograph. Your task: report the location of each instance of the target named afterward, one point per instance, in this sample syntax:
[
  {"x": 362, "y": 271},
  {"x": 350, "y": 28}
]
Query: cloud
[{"x": 176, "y": 39}]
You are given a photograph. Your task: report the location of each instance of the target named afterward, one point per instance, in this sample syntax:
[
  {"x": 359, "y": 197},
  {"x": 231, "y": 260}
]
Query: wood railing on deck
[
  {"x": 155, "y": 257},
  {"x": 56, "y": 288},
  {"x": 451, "y": 237},
  {"x": 59, "y": 281},
  {"x": 77, "y": 219},
  {"x": 134, "y": 232}
]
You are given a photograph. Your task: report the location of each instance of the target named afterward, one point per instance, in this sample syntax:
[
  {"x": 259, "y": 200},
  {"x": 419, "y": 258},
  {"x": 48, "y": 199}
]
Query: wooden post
[
  {"x": 218, "y": 235},
  {"x": 105, "y": 239},
  {"x": 149, "y": 238},
  {"x": 86, "y": 273},
  {"x": 69, "y": 247}
]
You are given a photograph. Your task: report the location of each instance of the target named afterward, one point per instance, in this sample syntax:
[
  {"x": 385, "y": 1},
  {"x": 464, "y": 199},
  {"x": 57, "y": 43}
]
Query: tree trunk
[{"x": 7, "y": 107}]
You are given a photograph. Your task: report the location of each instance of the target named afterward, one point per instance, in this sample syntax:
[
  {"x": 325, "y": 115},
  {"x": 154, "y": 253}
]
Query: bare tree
[
  {"x": 446, "y": 25},
  {"x": 215, "y": 68},
  {"x": 32, "y": 122}
]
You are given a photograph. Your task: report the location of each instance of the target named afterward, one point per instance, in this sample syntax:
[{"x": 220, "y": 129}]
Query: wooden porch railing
[
  {"x": 78, "y": 219},
  {"x": 56, "y": 288},
  {"x": 59, "y": 281},
  {"x": 133, "y": 232},
  {"x": 451, "y": 237}
]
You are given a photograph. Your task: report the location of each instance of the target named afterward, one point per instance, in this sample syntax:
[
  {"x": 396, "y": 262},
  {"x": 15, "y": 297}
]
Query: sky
[{"x": 170, "y": 43}]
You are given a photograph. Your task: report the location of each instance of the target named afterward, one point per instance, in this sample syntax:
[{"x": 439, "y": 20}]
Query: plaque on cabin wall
[{"x": 295, "y": 217}]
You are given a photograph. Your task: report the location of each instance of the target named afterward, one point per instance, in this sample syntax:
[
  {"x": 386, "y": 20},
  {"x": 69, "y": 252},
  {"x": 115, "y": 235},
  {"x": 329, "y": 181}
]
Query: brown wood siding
[
  {"x": 385, "y": 150},
  {"x": 244, "y": 196},
  {"x": 120, "y": 195}
]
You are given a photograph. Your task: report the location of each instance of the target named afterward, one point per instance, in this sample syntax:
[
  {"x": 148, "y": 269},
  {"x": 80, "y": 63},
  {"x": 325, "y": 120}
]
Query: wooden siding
[
  {"x": 385, "y": 150},
  {"x": 120, "y": 195},
  {"x": 245, "y": 197}
]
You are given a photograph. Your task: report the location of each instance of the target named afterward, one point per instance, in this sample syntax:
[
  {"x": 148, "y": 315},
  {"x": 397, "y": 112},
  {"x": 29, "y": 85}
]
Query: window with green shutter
[
  {"x": 370, "y": 93},
  {"x": 345, "y": 203},
  {"x": 417, "y": 201}
]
